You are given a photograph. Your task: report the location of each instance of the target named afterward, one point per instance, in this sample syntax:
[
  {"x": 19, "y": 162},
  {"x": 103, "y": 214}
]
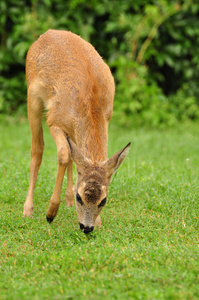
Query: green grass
[{"x": 147, "y": 247}]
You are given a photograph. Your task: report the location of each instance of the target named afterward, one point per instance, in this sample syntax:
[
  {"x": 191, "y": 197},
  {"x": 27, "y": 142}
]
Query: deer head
[{"x": 92, "y": 184}]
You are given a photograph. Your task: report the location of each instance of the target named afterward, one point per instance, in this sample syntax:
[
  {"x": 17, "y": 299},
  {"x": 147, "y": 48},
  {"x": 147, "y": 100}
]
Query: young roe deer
[{"x": 67, "y": 77}]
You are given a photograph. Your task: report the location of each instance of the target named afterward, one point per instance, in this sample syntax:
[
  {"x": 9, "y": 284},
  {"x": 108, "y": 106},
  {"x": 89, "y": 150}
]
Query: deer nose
[{"x": 86, "y": 229}]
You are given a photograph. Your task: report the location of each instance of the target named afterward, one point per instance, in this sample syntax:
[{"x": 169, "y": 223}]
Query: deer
[{"x": 69, "y": 81}]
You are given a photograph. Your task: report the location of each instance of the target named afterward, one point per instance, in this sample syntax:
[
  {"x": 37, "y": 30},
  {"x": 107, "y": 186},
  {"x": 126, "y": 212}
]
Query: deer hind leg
[
  {"x": 63, "y": 160},
  {"x": 98, "y": 221},
  {"x": 69, "y": 196},
  {"x": 35, "y": 111}
]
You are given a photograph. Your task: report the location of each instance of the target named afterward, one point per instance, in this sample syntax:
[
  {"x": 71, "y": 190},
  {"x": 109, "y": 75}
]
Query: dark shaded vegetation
[{"x": 151, "y": 47}]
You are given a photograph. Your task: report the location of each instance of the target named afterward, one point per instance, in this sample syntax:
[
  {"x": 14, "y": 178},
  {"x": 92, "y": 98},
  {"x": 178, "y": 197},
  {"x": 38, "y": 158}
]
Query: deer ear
[
  {"x": 113, "y": 163},
  {"x": 76, "y": 154}
]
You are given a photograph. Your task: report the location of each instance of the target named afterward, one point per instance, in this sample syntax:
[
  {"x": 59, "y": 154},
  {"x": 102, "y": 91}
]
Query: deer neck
[{"x": 93, "y": 138}]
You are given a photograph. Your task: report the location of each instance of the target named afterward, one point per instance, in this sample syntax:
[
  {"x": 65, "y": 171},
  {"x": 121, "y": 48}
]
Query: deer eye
[
  {"x": 102, "y": 203},
  {"x": 79, "y": 199}
]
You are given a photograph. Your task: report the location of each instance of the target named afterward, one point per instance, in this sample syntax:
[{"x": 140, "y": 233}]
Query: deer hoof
[{"x": 49, "y": 220}]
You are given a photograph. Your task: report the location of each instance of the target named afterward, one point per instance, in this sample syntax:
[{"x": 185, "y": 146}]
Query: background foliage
[{"x": 152, "y": 48}]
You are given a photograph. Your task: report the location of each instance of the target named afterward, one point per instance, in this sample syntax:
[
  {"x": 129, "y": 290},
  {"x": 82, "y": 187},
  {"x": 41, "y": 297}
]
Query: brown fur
[{"x": 67, "y": 77}]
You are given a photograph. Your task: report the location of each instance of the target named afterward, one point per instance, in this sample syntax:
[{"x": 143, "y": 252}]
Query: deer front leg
[
  {"x": 98, "y": 221},
  {"x": 36, "y": 157},
  {"x": 63, "y": 160},
  {"x": 37, "y": 147},
  {"x": 69, "y": 196}
]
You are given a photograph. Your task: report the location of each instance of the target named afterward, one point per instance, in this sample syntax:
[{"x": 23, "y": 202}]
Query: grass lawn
[{"x": 147, "y": 247}]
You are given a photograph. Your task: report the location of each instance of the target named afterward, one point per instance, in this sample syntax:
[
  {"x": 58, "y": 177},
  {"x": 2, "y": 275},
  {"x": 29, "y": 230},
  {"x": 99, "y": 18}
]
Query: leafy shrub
[
  {"x": 173, "y": 59},
  {"x": 152, "y": 48},
  {"x": 139, "y": 101}
]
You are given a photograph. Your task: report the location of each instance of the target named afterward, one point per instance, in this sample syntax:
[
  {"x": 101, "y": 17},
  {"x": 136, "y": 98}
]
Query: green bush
[{"x": 151, "y": 47}]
